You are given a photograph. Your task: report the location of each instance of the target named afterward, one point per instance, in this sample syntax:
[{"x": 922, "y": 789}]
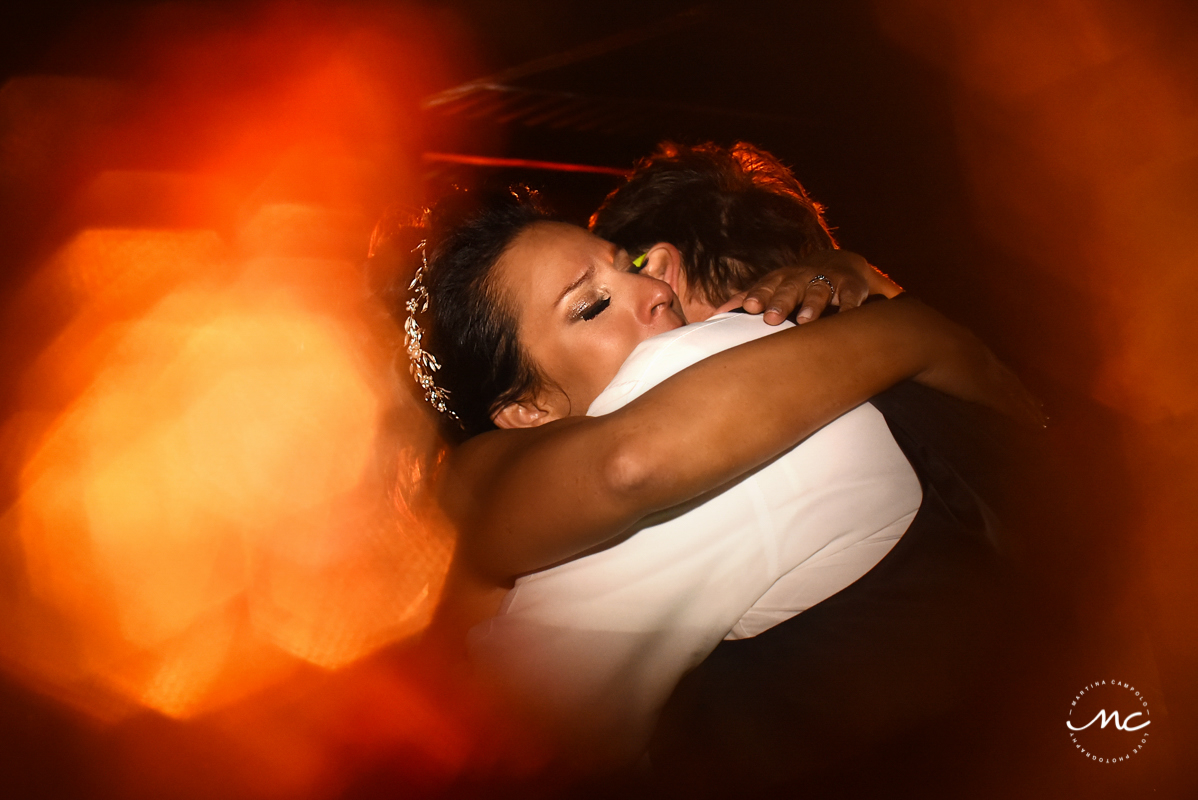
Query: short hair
[
  {"x": 469, "y": 327},
  {"x": 734, "y": 214}
]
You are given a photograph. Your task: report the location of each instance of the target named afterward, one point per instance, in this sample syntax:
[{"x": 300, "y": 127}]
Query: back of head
[
  {"x": 462, "y": 346},
  {"x": 733, "y": 214}
]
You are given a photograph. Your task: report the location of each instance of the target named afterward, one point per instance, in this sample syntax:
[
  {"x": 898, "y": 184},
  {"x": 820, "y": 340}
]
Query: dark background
[{"x": 868, "y": 127}]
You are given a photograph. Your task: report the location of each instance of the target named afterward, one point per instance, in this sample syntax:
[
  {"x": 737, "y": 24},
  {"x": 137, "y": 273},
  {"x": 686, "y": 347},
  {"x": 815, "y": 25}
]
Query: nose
[{"x": 657, "y": 298}]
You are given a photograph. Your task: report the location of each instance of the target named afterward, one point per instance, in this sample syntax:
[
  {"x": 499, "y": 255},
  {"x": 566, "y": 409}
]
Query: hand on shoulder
[{"x": 825, "y": 277}]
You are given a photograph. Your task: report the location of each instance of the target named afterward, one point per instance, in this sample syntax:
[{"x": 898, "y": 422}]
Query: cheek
[
  {"x": 598, "y": 356},
  {"x": 596, "y": 360},
  {"x": 582, "y": 359},
  {"x": 571, "y": 361},
  {"x": 616, "y": 349}
]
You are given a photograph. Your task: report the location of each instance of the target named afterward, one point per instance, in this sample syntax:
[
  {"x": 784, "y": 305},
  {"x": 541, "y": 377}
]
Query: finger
[
  {"x": 851, "y": 292},
  {"x": 732, "y": 303},
  {"x": 852, "y": 296},
  {"x": 783, "y": 301},
  {"x": 881, "y": 283},
  {"x": 815, "y": 300},
  {"x": 757, "y": 297}
]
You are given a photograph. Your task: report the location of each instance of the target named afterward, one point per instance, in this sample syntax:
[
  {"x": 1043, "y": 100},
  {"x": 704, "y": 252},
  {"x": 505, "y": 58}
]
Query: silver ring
[{"x": 824, "y": 279}]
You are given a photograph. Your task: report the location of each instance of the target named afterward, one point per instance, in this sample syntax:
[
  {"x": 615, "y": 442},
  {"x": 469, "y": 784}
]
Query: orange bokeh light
[
  {"x": 216, "y": 454},
  {"x": 204, "y": 424}
]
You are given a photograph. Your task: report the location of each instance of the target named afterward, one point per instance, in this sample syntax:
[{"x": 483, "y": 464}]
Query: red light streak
[{"x": 522, "y": 163}]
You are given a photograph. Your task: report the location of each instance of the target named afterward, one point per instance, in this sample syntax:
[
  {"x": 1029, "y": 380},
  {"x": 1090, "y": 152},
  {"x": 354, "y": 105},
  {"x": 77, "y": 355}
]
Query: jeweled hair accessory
[{"x": 424, "y": 364}]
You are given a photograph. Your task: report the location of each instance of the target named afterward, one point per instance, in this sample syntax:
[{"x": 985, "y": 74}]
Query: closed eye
[
  {"x": 638, "y": 263},
  {"x": 595, "y": 309}
]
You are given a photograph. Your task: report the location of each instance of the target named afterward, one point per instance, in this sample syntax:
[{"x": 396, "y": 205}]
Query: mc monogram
[
  {"x": 1123, "y": 726},
  {"x": 1119, "y": 735}
]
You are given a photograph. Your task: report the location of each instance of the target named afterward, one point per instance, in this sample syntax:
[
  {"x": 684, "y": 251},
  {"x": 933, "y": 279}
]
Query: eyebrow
[{"x": 583, "y": 278}]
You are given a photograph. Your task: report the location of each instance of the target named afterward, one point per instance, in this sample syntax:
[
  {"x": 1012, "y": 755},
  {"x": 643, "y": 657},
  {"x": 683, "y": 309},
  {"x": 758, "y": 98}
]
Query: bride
[{"x": 527, "y": 323}]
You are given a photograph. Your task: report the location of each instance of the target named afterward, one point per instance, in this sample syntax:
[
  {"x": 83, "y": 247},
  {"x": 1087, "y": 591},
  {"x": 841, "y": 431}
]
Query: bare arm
[{"x": 528, "y": 498}]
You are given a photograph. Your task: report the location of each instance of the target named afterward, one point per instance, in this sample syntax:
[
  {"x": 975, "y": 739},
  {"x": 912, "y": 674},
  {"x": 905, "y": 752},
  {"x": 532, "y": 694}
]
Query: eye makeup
[
  {"x": 638, "y": 263},
  {"x": 589, "y": 312}
]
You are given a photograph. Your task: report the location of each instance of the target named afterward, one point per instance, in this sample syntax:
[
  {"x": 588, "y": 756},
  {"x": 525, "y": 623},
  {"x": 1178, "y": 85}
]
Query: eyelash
[{"x": 595, "y": 309}]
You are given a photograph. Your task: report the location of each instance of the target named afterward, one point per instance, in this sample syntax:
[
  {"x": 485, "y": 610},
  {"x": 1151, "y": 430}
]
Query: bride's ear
[
  {"x": 664, "y": 262},
  {"x": 527, "y": 413}
]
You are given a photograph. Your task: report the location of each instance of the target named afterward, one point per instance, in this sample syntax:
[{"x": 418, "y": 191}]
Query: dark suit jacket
[{"x": 903, "y": 649}]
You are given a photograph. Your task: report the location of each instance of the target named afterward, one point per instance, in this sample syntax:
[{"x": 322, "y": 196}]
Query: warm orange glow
[
  {"x": 214, "y": 456},
  {"x": 198, "y": 518},
  {"x": 1079, "y": 137},
  {"x": 1077, "y": 128},
  {"x": 198, "y": 545}
]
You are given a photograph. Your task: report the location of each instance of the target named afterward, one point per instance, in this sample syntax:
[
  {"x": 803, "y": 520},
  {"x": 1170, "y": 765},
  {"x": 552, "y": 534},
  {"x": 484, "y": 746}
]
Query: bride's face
[{"x": 581, "y": 308}]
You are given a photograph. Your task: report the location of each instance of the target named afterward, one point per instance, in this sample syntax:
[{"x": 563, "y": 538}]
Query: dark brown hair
[
  {"x": 469, "y": 326},
  {"x": 734, "y": 214}
]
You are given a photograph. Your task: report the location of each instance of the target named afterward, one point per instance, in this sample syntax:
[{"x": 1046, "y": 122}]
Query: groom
[{"x": 907, "y": 647}]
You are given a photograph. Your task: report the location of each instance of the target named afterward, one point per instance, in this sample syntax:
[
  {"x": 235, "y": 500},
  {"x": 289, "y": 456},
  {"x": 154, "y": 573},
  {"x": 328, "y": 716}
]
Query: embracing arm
[{"x": 531, "y": 497}]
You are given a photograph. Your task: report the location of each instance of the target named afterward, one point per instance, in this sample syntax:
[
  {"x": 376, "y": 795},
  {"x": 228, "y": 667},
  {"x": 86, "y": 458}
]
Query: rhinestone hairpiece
[{"x": 423, "y": 363}]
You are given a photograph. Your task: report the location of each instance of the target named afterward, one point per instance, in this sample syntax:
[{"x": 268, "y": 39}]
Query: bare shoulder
[
  {"x": 471, "y": 466},
  {"x": 490, "y": 461}
]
